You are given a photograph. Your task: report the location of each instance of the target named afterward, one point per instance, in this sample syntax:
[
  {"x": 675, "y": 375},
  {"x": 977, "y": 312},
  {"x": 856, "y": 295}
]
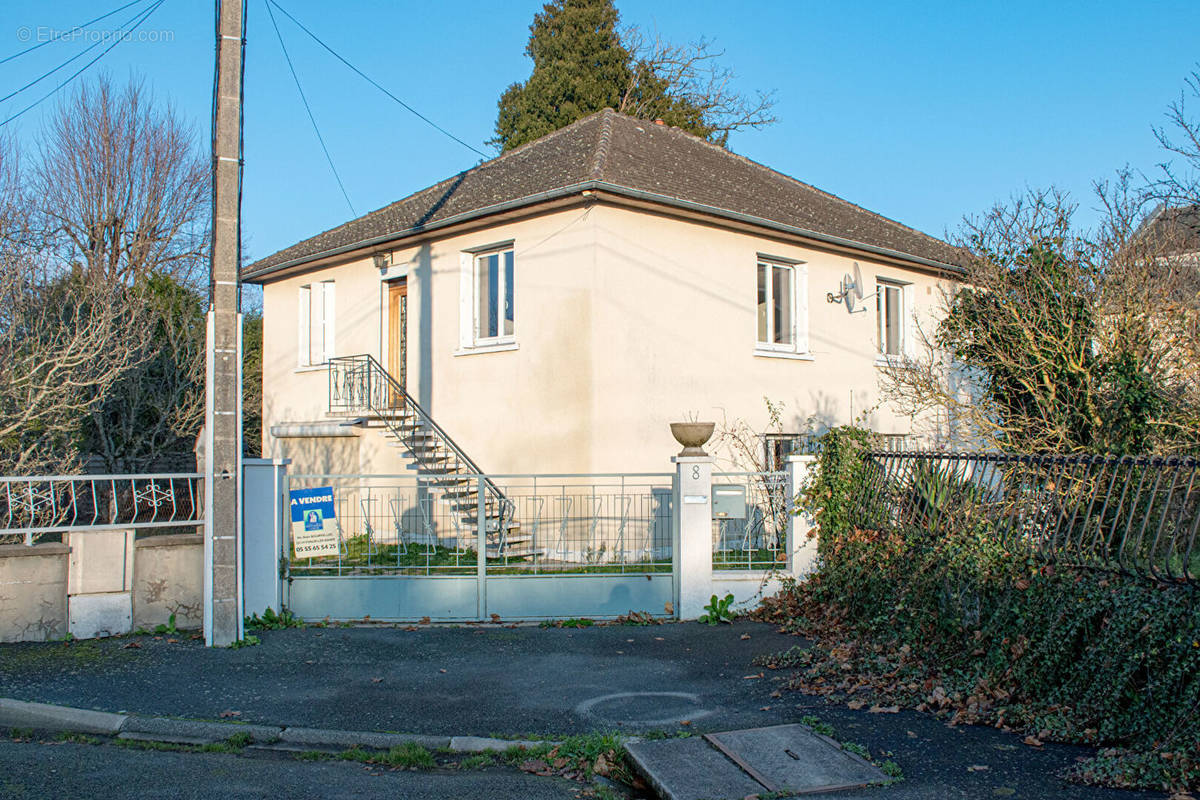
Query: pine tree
[
  {"x": 582, "y": 64},
  {"x": 580, "y": 67}
]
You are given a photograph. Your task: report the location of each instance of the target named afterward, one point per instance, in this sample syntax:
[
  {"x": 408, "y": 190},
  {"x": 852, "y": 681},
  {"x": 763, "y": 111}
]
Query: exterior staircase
[{"x": 360, "y": 387}]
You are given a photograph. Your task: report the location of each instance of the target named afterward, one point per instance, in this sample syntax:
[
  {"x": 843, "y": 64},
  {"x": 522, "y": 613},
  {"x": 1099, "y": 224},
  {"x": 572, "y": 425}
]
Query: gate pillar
[{"x": 693, "y": 534}]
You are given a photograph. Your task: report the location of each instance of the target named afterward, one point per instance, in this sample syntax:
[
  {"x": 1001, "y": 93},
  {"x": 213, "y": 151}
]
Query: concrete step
[{"x": 514, "y": 552}]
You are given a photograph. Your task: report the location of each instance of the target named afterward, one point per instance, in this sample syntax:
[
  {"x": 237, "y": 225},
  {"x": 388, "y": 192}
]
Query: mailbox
[{"x": 728, "y": 501}]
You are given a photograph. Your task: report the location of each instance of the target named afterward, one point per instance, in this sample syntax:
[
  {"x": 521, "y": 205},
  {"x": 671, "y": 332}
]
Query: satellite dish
[{"x": 858, "y": 282}]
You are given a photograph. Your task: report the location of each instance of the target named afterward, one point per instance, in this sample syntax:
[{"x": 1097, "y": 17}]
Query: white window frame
[
  {"x": 319, "y": 296},
  {"x": 469, "y": 321},
  {"x": 798, "y": 347},
  {"x": 905, "y": 292}
]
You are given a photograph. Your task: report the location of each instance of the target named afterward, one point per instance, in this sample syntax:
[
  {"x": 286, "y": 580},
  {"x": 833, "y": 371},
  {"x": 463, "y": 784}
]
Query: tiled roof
[
  {"x": 612, "y": 151},
  {"x": 1174, "y": 230}
]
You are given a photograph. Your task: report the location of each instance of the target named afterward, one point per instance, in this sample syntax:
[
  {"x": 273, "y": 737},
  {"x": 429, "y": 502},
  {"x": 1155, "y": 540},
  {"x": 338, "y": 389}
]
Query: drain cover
[{"x": 781, "y": 758}]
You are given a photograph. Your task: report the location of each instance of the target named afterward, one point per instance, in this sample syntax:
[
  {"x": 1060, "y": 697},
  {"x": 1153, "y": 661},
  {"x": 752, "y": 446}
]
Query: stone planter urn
[{"x": 692, "y": 435}]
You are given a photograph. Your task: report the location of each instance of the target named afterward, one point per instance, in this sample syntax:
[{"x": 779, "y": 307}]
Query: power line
[
  {"x": 145, "y": 15},
  {"x": 72, "y": 29},
  {"x": 80, "y": 54},
  {"x": 307, "y": 108},
  {"x": 375, "y": 83}
]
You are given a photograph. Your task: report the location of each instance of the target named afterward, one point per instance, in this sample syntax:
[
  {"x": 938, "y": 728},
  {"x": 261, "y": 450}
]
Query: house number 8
[{"x": 695, "y": 472}]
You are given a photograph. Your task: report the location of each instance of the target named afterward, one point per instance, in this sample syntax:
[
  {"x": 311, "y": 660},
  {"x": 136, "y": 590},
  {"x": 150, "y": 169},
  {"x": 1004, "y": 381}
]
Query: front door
[{"x": 397, "y": 303}]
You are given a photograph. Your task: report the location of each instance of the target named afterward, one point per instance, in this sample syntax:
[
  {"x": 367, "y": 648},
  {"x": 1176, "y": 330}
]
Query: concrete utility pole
[{"x": 223, "y": 409}]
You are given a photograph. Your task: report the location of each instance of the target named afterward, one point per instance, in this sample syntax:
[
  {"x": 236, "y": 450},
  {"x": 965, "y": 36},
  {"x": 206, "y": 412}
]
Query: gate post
[
  {"x": 801, "y": 549},
  {"x": 692, "y": 534},
  {"x": 264, "y": 487},
  {"x": 481, "y": 547}
]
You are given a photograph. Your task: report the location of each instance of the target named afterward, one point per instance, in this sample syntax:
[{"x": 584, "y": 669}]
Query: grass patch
[
  {"x": 477, "y": 761},
  {"x": 73, "y": 654},
  {"x": 409, "y": 755},
  {"x": 77, "y": 738}
]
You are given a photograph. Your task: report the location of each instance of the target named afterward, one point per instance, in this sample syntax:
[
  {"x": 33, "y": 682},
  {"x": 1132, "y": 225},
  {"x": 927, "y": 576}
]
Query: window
[
  {"x": 890, "y": 302},
  {"x": 776, "y": 306},
  {"x": 316, "y": 341},
  {"x": 494, "y": 306},
  {"x": 891, "y": 442},
  {"x": 782, "y": 306}
]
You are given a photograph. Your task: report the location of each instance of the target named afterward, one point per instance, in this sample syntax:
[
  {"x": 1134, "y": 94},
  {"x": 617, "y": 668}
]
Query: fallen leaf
[
  {"x": 685, "y": 722},
  {"x": 602, "y": 765},
  {"x": 855, "y": 705},
  {"x": 911, "y": 734},
  {"x": 412, "y": 628},
  {"x": 376, "y": 680},
  {"x": 669, "y": 608},
  {"x": 560, "y": 762},
  {"x": 659, "y": 639},
  {"x": 1033, "y": 741},
  {"x": 883, "y": 710},
  {"x": 231, "y": 713},
  {"x": 423, "y": 621},
  {"x": 496, "y": 618},
  {"x": 534, "y": 765},
  {"x": 441, "y": 670},
  {"x": 752, "y": 677},
  {"x": 745, "y": 636},
  {"x": 132, "y": 646},
  {"x": 776, "y": 693},
  {"x": 978, "y": 768},
  {"x": 765, "y": 708},
  {"x": 172, "y": 641}
]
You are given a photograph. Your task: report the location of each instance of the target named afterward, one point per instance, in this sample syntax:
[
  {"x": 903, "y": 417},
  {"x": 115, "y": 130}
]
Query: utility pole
[{"x": 223, "y": 391}]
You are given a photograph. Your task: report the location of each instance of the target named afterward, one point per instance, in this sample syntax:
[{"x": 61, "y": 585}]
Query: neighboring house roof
[
  {"x": 1174, "y": 230},
  {"x": 614, "y": 153}
]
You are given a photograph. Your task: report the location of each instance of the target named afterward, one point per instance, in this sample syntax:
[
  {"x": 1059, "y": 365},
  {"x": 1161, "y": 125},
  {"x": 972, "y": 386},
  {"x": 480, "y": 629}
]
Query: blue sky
[{"x": 920, "y": 111}]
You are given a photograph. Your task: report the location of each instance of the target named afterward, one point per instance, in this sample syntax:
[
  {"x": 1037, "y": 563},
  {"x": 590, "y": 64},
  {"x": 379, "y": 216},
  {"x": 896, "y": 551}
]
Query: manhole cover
[{"x": 644, "y": 708}]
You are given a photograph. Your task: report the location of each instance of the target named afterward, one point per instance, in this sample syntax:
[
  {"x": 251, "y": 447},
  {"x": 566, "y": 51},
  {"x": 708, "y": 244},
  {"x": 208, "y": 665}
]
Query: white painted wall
[{"x": 625, "y": 321}]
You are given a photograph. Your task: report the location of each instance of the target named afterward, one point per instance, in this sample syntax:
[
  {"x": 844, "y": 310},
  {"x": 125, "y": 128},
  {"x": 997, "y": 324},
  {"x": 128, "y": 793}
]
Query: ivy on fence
[{"x": 955, "y": 613}]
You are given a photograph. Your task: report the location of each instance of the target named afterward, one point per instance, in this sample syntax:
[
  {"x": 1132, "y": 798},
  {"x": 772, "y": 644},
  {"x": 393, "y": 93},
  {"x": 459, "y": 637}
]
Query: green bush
[{"x": 1088, "y": 656}]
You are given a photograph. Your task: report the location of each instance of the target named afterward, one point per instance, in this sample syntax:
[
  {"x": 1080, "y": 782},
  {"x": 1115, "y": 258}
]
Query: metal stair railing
[{"x": 360, "y": 384}]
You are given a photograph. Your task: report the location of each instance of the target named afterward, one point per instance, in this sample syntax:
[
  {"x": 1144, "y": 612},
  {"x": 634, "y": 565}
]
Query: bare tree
[
  {"x": 63, "y": 341},
  {"x": 1179, "y": 183},
  {"x": 121, "y": 185},
  {"x": 686, "y": 85}
]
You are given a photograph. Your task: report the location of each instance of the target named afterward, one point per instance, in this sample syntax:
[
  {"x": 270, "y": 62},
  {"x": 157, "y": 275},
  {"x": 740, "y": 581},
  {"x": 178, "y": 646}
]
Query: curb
[{"x": 65, "y": 719}]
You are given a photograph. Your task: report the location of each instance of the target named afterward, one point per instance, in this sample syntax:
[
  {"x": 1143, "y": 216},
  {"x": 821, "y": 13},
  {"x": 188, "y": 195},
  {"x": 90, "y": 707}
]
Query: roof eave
[{"x": 611, "y": 188}]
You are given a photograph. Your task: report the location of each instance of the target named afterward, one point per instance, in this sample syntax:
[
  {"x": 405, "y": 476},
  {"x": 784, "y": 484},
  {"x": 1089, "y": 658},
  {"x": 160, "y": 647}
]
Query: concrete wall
[
  {"x": 33, "y": 592},
  {"x": 168, "y": 578},
  {"x": 625, "y": 321},
  {"x": 48, "y": 589}
]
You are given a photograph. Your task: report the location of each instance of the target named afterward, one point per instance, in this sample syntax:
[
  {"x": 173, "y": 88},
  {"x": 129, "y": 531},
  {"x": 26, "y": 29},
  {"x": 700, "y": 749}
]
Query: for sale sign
[{"x": 314, "y": 525}]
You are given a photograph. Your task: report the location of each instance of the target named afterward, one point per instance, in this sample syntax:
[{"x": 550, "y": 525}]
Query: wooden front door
[{"x": 397, "y": 303}]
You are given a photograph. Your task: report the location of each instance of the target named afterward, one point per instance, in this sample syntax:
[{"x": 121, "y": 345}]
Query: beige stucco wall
[
  {"x": 168, "y": 573},
  {"x": 625, "y": 321},
  {"x": 33, "y": 592}
]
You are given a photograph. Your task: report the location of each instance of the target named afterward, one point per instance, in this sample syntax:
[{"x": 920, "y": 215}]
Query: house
[{"x": 553, "y": 309}]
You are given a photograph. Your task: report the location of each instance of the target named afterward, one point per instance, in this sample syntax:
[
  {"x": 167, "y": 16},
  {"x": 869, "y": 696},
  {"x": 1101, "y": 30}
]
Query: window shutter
[
  {"x": 328, "y": 320},
  {"x": 907, "y": 346},
  {"x": 302, "y": 331},
  {"x": 801, "y": 308},
  {"x": 466, "y": 317}
]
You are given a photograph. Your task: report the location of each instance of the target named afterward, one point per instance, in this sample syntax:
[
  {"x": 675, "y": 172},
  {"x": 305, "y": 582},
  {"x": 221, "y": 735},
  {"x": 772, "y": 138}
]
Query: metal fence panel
[
  {"x": 1135, "y": 515},
  {"x": 752, "y": 533}
]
